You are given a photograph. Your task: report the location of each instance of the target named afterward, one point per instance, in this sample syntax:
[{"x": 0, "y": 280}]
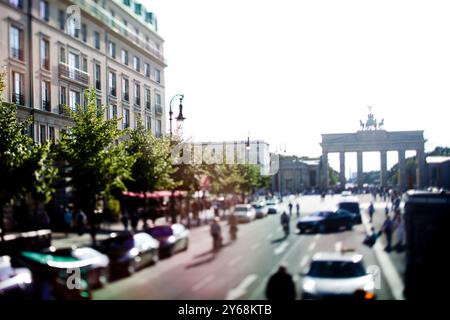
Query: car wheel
[
  {"x": 132, "y": 267},
  {"x": 349, "y": 225}
]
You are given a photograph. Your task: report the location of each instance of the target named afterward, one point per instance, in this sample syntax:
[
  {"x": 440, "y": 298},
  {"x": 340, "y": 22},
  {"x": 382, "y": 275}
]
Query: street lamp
[{"x": 180, "y": 116}]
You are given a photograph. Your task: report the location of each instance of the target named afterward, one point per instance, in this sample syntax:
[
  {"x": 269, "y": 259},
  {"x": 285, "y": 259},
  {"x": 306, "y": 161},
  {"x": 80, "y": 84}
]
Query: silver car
[
  {"x": 336, "y": 275},
  {"x": 244, "y": 213}
]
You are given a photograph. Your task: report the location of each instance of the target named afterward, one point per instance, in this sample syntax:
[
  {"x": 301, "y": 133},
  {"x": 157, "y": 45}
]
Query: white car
[
  {"x": 244, "y": 212},
  {"x": 272, "y": 206},
  {"x": 335, "y": 275}
]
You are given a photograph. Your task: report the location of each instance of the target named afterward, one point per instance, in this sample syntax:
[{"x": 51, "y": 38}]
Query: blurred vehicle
[
  {"x": 56, "y": 277},
  {"x": 96, "y": 264},
  {"x": 346, "y": 193},
  {"x": 244, "y": 213},
  {"x": 128, "y": 253},
  {"x": 272, "y": 206},
  {"x": 172, "y": 238},
  {"x": 335, "y": 275},
  {"x": 427, "y": 223},
  {"x": 350, "y": 203},
  {"x": 261, "y": 209},
  {"x": 15, "y": 283},
  {"x": 323, "y": 221}
]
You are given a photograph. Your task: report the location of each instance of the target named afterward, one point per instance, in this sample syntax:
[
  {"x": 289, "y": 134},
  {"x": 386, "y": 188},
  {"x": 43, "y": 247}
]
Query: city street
[{"x": 241, "y": 269}]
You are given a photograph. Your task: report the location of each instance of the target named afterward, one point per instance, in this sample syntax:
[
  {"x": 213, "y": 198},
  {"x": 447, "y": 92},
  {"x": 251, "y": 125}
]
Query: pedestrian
[
  {"x": 290, "y": 208},
  {"x": 232, "y": 221},
  {"x": 216, "y": 233},
  {"x": 134, "y": 220},
  {"x": 388, "y": 228},
  {"x": 386, "y": 209},
  {"x": 68, "y": 217},
  {"x": 371, "y": 238},
  {"x": 297, "y": 206},
  {"x": 125, "y": 220},
  {"x": 281, "y": 286},
  {"x": 371, "y": 211}
]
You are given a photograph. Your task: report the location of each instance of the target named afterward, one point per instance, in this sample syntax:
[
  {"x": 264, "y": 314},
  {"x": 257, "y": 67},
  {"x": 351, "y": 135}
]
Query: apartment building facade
[{"x": 50, "y": 62}]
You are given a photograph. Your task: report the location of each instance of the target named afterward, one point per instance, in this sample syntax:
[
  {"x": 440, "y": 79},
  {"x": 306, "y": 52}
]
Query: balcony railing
[
  {"x": 158, "y": 109},
  {"x": 18, "y": 99},
  {"x": 126, "y": 96},
  {"x": 46, "y": 105},
  {"x": 17, "y": 53},
  {"x": 73, "y": 73},
  {"x": 63, "y": 111}
]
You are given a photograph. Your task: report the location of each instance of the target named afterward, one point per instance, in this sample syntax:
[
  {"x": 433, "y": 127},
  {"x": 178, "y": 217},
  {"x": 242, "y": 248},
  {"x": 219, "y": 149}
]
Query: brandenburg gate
[{"x": 373, "y": 137}]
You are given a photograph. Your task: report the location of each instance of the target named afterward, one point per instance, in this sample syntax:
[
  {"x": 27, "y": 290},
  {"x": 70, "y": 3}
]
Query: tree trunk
[
  {"x": 2, "y": 222},
  {"x": 172, "y": 208}
]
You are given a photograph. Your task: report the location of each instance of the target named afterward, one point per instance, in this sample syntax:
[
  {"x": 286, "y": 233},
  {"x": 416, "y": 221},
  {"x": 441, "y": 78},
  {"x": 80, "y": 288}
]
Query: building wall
[
  {"x": 148, "y": 48},
  {"x": 295, "y": 176}
]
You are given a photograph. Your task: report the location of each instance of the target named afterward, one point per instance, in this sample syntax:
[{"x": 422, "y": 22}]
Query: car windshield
[
  {"x": 336, "y": 269},
  {"x": 162, "y": 231},
  {"x": 320, "y": 214}
]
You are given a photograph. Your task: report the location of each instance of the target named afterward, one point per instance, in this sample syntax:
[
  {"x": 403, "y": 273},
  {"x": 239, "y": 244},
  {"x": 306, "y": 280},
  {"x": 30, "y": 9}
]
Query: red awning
[{"x": 155, "y": 194}]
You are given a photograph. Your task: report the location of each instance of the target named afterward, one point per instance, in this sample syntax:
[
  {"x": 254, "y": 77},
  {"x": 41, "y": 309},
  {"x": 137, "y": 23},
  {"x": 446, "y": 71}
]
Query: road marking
[
  {"x": 233, "y": 261},
  {"x": 304, "y": 261},
  {"x": 312, "y": 246},
  {"x": 241, "y": 289},
  {"x": 269, "y": 236},
  {"x": 255, "y": 246},
  {"x": 280, "y": 249},
  {"x": 338, "y": 246},
  {"x": 203, "y": 283}
]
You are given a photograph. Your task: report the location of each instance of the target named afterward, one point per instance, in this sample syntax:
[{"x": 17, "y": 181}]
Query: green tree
[
  {"x": 26, "y": 169},
  {"x": 97, "y": 162}
]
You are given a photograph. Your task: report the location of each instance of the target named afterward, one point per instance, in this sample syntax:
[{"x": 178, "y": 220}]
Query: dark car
[
  {"x": 128, "y": 252},
  {"x": 351, "y": 204},
  {"x": 15, "y": 283},
  {"x": 322, "y": 221},
  {"x": 172, "y": 238}
]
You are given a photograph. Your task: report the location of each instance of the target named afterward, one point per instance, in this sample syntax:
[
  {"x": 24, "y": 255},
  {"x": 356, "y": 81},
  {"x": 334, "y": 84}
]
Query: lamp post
[{"x": 180, "y": 116}]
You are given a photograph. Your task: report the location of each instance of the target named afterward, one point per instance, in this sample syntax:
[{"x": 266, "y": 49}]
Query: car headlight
[
  {"x": 171, "y": 239},
  {"x": 134, "y": 252},
  {"x": 309, "y": 286},
  {"x": 24, "y": 277}
]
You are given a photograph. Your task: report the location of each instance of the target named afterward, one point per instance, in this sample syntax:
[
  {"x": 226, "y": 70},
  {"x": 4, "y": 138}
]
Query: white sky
[{"x": 287, "y": 71}]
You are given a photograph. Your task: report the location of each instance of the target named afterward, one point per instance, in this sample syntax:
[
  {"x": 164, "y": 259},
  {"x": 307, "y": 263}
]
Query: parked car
[
  {"x": 15, "y": 283},
  {"x": 95, "y": 263},
  {"x": 334, "y": 275},
  {"x": 272, "y": 206},
  {"x": 172, "y": 238},
  {"x": 322, "y": 221},
  {"x": 244, "y": 212},
  {"x": 261, "y": 209},
  {"x": 128, "y": 253},
  {"x": 350, "y": 203}
]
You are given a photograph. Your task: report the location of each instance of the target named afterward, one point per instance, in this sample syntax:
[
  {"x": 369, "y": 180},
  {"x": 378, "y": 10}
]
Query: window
[
  {"x": 114, "y": 110},
  {"x": 97, "y": 73},
  {"x": 127, "y": 2},
  {"x": 17, "y": 90},
  {"x": 136, "y": 34},
  {"x": 74, "y": 65},
  {"x": 85, "y": 64},
  {"x": 112, "y": 17},
  {"x": 51, "y": 134},
  {"x": 147, "y": 99},
  {"x": 45, "y": 55},
  {"x": 112, "y": 83},
  {"x": 136, "y": 64},
  {"x": 137, "y": 116},
  {"x": 98, "y": 104},
  {"x": 74, "y": 99},
  {"x": 42, "y": 134},
  {"x": 72, "y": 28},
  {"x": 124, "y": 56},
  {"x": 125, "y": 89},
  {"x": 148, "y": 123},
  {"x": 137, "y": 94},
  {"x": 16, "y": 3},
  {"x": 62, "y": 99},
  {"x": 16, "y": 42},
  {"x": 61, "y": 19},
  {"x": 158, "y": 128},
  {"x": 138, "y": 8},
  {"x": 84, "y": 32},
  {"x": 97, "y": 40},
  {"x": 147, "y": 70},
  {"x": 157, "y": 76},
  {"x": 125, "y": 28},
  {"x": 158, "y": 102},
  {"x": 112, "y": 49},
  {"x": 126, "y": 118},
  {"x": 43, "y": 10},
  {"x": 45, "y": 95},
  {"x": 62, "y": 54}
]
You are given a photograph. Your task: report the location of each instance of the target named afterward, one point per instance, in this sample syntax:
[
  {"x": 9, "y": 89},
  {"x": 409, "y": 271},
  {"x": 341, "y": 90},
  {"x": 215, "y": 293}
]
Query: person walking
[
  {"x": 281, "y": 286},
  {"x": 68, "y": 218},
  {"x": 285, "y": 221},
  {"x": 216, "y": 233},
  {"x": 388, "y": 228},
  {"x": 290, "y": 208},
  {"x": 125, "y": 220},
  {"x": 297, "y": 206},
  {"x": 232, "y": 221},
  {"x": 371, "y": 211}
]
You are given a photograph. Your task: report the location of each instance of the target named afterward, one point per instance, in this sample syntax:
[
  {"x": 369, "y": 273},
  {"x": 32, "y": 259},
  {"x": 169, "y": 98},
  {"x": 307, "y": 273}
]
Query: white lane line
[
  {"x": 269, "y": 236},
  {"x": 255, "y": 246},
  {"x": 317, "y": 237},
  {"x": 233, "y": 261},
  {"x": 304, "y": 261},
  {"x": 280, "y": 249},
  {"x": 241, "y": 289},
  {"x": 338, "y": 246},
  {"x": 390, "y": 273},
  {"x": 312, "y": 246},
  {"x": 203, "y": 283}
]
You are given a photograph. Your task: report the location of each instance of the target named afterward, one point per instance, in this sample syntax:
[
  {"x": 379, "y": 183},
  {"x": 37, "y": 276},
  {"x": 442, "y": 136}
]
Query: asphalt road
[{"x": 242, "y": 268}]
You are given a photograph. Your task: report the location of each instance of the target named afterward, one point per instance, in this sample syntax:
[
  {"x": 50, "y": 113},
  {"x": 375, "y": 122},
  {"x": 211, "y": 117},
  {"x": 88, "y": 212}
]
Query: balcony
[
  {"x": 17, "y": 53},
  {"x": 73, "y": 73},
  {"x": 18, "y": 99},
  {"x": 46, "y": 105},
  {"x": 158, "y": 109},
  {"x": 126, "y": 96},
  {"x": 63, "y": 111}
]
